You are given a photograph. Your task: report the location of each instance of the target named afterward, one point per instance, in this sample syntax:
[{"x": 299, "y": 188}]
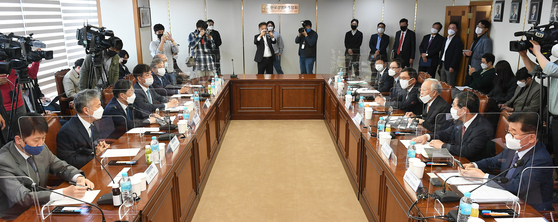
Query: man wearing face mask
[
  {"x": 378, "y": 43},
  {"x": 278, "y": 46},
  {"x": 483, "y": 79},
  {"x": 307, "y": 41},
  {"x": 79, "y": 139},
  {"x": 164, "y": 44},
  {"x": 123, "y": 69},
  {"x": 430, "y": 48},
  {"x": 481, "y": 45},
  {"x": 451, "y": 55},
  {"x": 217, "y": 39},
  {"x": 468, "y": 136},
  {"x": 147, "y": 99},
  {"x": 71, "y": 79},
  {"x": 521, "y": 144},
  {"x": 434, "y": 105},
  {"x": 407, "y": 99},
  {"x": 385, "y": 80},
  {"x": 404, "y": 46},
  {"x": 201, "y": 46},
  {"x": 111, "y": 69},
  {"x": 161, "y": 79},
  {"x": 353, "y": 41},
  {"x": 527, "y": 94},
  {"x": 29, "y": 156},
  {"x": 264, "y": 49}
]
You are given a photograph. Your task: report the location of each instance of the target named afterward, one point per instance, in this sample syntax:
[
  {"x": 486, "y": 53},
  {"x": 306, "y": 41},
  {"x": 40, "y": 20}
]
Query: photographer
[
  {"x": 551, "y": 70},
  {"x": 306, "y": 40},
  {"x": 165, "y": 44},
  {"x": 111, "y": 67},
  {"x": 201, "y": 46}
]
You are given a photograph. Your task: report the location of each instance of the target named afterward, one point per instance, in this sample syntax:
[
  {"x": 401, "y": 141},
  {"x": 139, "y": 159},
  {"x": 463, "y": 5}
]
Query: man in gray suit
[
  {"x": 28, "y": 156},
  {"x": 481, "y": 45},
  {"x": 71, "y": 79},
  {"x": 527, "y": 94}
]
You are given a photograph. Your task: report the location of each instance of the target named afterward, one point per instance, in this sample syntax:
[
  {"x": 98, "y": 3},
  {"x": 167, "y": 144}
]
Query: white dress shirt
[{"x": 448, "y": 41}]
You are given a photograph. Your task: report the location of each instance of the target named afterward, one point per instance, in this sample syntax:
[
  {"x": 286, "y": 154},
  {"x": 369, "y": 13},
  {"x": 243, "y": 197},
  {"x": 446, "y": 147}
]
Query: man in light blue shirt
[{"x": 278, "y": 47}]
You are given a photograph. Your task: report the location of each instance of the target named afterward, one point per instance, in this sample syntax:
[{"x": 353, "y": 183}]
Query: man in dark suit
[
  {"x": 435, "y": 107},
  {"x": 404, "y": 46},
  {"x": 121, "y": 110},
  {"x": 430, "y": 48},
  {"x": 468, "y": 138},
  {"x": 28, "y": 156},
  {"x": 264, "y": 49},
  {"x": 451, "y": 55},
  {"x": 521, "y": 144},
  {"x": 385, "y": 81},
  {"x": 147, "y": 99},
  {"x": 406, "y": 100},
  {"x": 378, "y": 43},
  {"x": 161, "y": 78},
  {"x": 353, "y": 41},
  {"x": 78, "y": 139},
  {"x": 483, "y": 79}
]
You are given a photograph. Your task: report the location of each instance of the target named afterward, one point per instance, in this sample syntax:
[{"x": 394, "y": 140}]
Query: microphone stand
[
  {"x": 166, "y": 136},
  {"x": 447, "y": 195},
  {"x": 518, "y": 163},
  {"x": 233, "y": 75}
]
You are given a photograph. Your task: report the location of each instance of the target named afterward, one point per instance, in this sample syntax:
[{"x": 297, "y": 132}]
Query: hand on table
[
  {"x": 101, "y": 147},
  {"x": 172, "y": 103},
  {"x": 75, "y": 191},
  {"x": 380, "y": 100},
  {"x": 409, "y": 114},
  {"x": 420, "y": 139},
  {"x": 436, "y": 144},
  {"x": 184, "y": 90},
  {"x": 85, "y": 182},
  {"x": 471, "y": 172}
]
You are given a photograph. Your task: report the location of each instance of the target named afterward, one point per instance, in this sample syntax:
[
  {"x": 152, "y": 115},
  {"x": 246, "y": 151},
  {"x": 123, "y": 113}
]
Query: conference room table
[{"x": 175, "y": 191}]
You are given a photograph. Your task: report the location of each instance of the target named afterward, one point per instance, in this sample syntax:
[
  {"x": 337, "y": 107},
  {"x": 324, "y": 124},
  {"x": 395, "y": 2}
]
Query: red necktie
[
  {"x": 400, "y": 43},
  {"x": 463, "y": 131}
]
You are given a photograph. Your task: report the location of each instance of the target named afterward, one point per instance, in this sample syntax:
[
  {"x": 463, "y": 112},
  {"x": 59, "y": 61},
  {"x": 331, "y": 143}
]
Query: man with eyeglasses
[
  {"x": 390, "y": 83},
  {"x": 408, "y": 97},
  {"x": 521, "y": 144}
]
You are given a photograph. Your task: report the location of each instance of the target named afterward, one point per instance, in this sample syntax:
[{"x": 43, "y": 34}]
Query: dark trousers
[
  {"x": 555, "y": 139},
  {"x": 430, "y": 70},
  {"x": 351, "y": 62},
  {"x": 404, "y": 61},
  {"x": 266, "y": 65},
  {"x": 277, "y": 64}
]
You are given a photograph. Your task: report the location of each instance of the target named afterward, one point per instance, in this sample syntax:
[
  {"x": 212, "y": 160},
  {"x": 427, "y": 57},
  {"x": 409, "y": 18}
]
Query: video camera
[
  {"x": 94, "y": 39},
  {"x": 545, "y": 35},
  {"x": 304, "y": 24},
  {"x": 17, "y": 53}
]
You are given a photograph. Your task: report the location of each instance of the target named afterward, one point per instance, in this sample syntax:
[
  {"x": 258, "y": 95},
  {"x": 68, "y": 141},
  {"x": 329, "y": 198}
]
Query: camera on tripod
[
  {"x": 304, "y": 24},
  {"x": 17, "y": 53},
  {"x": 94, "y": 39},
  {"x": 545, "y": 35}
]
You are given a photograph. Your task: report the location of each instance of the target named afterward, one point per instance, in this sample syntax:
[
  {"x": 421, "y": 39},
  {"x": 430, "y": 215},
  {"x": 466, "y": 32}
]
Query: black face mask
[
  {"x": 403, "y": 28},
  {"x": 111, "y": 53},
  {"x": 159, "y": 36},
  {"x": 353, "y": 27},
  {"x": 124, "y": 61}
]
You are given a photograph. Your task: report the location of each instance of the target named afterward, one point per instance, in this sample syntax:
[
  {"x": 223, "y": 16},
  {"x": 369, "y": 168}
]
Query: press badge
[{"x": 303, "y": 45}]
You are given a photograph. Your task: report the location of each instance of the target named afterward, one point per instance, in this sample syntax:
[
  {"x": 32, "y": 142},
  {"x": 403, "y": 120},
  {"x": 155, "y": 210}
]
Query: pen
[
  {"x": 436, "y": 164},
  {"x": 72, "y": 183}
]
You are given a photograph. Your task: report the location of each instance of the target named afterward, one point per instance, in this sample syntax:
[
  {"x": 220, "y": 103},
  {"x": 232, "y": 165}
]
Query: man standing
[
  {"x": 481, "y": 45},
  {"x": 111, "y": 68},
  {"x": 451, "y": 55},
  {"x": 404, "y": 46},
  {"x": 71, "y": 79},
  {"x": 277, "y": 46},
  {"x": 353, "y": 41},
  {"x": 264, "y": 49},
  {"x": 554, "y": 13},
  {"x": 164, "y": 44},
  {"x": 123, "y": 69},
  {"x": 306, "y": 40},
  {"x": 217, "y": 39},
  {"x": 201, "y": 47},
  {"x": 378, "y": 43},
  {"x": 430, "y": 48}
]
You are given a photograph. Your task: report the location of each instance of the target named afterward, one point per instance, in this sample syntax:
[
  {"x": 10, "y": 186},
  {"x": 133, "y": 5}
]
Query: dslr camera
[
  {"x": 95, "y": 39},
  {"x": 17, "y": 53},
  {"x": 304, "y": 24},
  {"x": 545, "y": 35}
]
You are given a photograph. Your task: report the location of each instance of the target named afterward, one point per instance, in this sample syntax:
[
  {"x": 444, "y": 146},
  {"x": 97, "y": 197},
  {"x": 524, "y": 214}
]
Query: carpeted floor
[{"x": 278, "y": 170}]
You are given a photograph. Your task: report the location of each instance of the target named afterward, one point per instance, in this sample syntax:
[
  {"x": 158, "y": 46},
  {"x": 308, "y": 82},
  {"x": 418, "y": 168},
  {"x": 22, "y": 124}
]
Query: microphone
[
  {"x": 517, "y": 164},
  {"x": 91, "y": 204},
  {"x": 162, "y": 125},
  {"x": 233, "y": 75},
  {"x": 447, "y": 195},
  {"x": 105, "y": 199}
]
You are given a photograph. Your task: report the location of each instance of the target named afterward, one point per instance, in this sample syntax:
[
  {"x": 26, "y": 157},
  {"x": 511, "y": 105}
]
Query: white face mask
[
  {"x": 513, "y": 143},
  {"x": 521, "y": 84},
  {"x": 453, "y": 113},
  {"x": 379, "y": 67},
  {"x": 381, "y": 30},
  {"x": 433, "y": 30},
  {"x": 555, "y": 50},
  {"x": 404, "y": 83},
  {"x": 210, "y": 27},
  {"x": 161, "y": 72},
  {"x": 391, "y": 72},
  {"x": 270, "y": 29},
  {"x": 98, "y": 114},
  {"x": 425, "y": 99},
  {"x": 478, "y": 31},
  {"x": 131, "y": 99},
  {"x": 149, "y": 81},
  {"x": 484, "y": 66},
  {"x": 451, "y": 32}
]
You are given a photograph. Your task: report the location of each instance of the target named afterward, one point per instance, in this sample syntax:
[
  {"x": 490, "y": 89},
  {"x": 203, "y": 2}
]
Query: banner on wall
[{"x": 279, "y": 8}]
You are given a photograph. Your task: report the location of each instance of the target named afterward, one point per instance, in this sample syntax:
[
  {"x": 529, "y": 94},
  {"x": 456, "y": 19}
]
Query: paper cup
[
  {"x": 136, "y": 185},
  {"x": 182, "y": 126},
  {"x": 385, "y": 137},
  {"x": 162, "y": 150},
  {"x": 368, "y": 112},
  {"x": 412, "y": 162},
  {"x": 418, "y": 169},
  {"x": 475, "y": 219},
  {"x": 143, "y": 180}
]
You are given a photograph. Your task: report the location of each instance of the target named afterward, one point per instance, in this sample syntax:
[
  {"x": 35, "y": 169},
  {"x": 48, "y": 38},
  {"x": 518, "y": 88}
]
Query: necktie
[
  {"x": 149, "y": 96},
  {"x": 400, "y": 43},
  {"x": 463, "y": 129},
  {"x": 430, "y": 41},
  {"x": 510, "y": 173},
  {"x": 128, "y": 112},
  {"x": 93, "y": 132},
  {"x": 31, "y": 162}
]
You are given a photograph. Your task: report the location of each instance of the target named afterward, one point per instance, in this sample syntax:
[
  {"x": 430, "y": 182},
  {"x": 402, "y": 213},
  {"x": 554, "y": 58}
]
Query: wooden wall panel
[
  {"x": 299, "y": 97},
  {"x": 186, "y": 184},
  {"x": 373, "y": 184},
  {"x": 255, "y": 98},
  {"x": 202, "y": 147},
  {"x": 164, "y": 210}
]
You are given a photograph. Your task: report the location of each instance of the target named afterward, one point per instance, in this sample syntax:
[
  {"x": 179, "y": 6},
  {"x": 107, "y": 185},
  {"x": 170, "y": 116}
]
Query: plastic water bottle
[
  {"x": 340, "y": 73},
  {"x": 349, "y": 97},
  {"x": 411, "y": 153},
  {"x": 126, "y": 188},
  {"x": 465, "y": 206},
  {"x": 155, "y": 150},
  {"x": 212, "y": 87},
  {"x": 187, "y": 119},
  {"x": 361, "y": 105},
  {"x": 197, "y": 106},
  {"x": 217, "y": 85},
  {"x": 381, "y": 125}
]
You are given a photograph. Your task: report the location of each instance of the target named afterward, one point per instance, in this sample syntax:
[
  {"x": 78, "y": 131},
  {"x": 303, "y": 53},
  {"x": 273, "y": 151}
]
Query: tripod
[
  {"x": 97, "y": 77},
  {"x": 26, "y": 83}
]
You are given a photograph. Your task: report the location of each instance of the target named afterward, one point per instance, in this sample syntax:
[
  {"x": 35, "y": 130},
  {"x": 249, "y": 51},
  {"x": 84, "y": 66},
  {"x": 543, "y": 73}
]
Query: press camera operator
[
  {"x": 550, "y": 69},
  {"x": 110, "y": 61}
]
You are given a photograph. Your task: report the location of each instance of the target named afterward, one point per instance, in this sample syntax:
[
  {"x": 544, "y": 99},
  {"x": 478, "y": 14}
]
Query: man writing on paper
[
  {"x": 28, "y": 156},
  {"x": 521, "y": 143}
]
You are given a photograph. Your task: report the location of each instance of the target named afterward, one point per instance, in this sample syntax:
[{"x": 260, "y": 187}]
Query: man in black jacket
[
  {"x": 404, "y": 46},
  {"x": 407, "y": 99},
  {"x": 147, "y": 99},
  {"x": 430, "y": 48},
  {"x": 435, "y": 107},
  {"x": 451, "y": 55},
  {"x": 385, "y": 81},
  {"x": 306, "y": 40},
  {"x": 353, "y": 41},
  {"x": 264, "y": 49},
  {"x": 217, "y": 39}
]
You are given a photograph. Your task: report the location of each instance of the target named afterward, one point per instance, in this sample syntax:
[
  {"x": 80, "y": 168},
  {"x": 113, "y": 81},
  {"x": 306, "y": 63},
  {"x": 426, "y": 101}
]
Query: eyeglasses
[{"x": 507, "y": 131}]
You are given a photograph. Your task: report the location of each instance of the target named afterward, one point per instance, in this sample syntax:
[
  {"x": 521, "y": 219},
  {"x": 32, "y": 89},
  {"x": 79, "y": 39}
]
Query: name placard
[
  {"x": 348, "y": 104},
  {"x": 279, "y": 8},
  {"x": 412, "y": 179},
  {"x": 151, "y": 172},
  {"x": 386, "y": 150},
  {"x": 196, "y": 119},
  {"x": 173, "y": 144},
  {"x": 206, "y": 104},
  {"x": 357, "y": 119}
]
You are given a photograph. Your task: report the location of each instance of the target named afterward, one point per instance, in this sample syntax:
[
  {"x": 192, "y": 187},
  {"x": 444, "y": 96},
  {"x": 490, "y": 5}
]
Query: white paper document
[
  {"x": 182, "y": 95},
  {"x": 119, "y": 176},
  {"x": 89, "y": 197},
  {"x": 175, "y": 109},
  {"x": 143, "y": 130},
  {"x": 457, "y": 180},
  {"x": 486, "y": 194},
  {"x": 120, "y": 152},
  {"x": 525, "y": 219},
  {"x": 371, "y": 104},
  {"x": 419, "y": 147}
]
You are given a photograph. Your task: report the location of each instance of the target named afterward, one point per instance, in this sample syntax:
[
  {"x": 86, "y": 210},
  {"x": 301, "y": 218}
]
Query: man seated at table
[
  {"x": 120, "y": 108},
  {"x": 521, "y": 144},
  {"x": 468, "y": 136},
  {"x": 385, "y": 76},
  {"x": 28, "y": 155},
  {"x": 78, "y": 139},
  {"x": 406, "y": 98},
  {"x": 147, "y": 99},
  {"x": 435, "y": 107},
  {"x": 161, "y": 79}
]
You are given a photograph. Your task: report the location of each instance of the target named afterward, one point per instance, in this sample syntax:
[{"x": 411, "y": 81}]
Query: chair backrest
[
  {"x": 131, "y": 78},
  {"x": 423, "y": 76},
  {"x": 446, "y": 92},
  {"x": 53, "y": 128},
  {"x": 500, "y": 135},
  {"x": 58, "y": 78},
  {"x": 107, "y": 96},
  {"x": 483, "y": 100}
]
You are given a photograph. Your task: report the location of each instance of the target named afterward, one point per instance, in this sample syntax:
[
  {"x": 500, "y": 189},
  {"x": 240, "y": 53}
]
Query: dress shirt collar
[
  {"x": 24, "y": 155},
  {"x": 354, "y": 31},
  {"x": 84, "y": 122},
  {"x": 430, "y": 103},
  {"x": 143, "y": 87},
  {"x": 124, "y": 107},
  {"x": 468, "y": 123},
  {"x": 520, "y": 154}
]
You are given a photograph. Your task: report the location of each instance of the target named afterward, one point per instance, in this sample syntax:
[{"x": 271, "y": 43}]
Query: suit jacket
[
  {"x": 386, "y": 82},
  {"x": 353, "y": 42},
  {"x": 142, "y": 102},
  {"x": 71, "y": 83},
  {"x": 528, "y": 100},
  {"x": 513, "y": 16},
  {"x": 453, "y": 53},
  {"x": 473, "y": 143},
  {"x": 160, "y": 84},
  {"x": 434, "y": 49},
  {"x": 407, "y": 101},
  {"x": 122, "y": 71},
  {"x": 121, "y": 120},
  {"x": 483, "y": 82},
  {"x": 484, "y": 45},
  {"x": 16, "y": 194},
  {"x": 434, "y": 119},
  {"x": 384, "y": 42},
  {"x": 540, "y": 187},
  {"x": 408, "y": 49},
  {"x": 74, "y": 144},
  {"x": 260, "y": 47}
]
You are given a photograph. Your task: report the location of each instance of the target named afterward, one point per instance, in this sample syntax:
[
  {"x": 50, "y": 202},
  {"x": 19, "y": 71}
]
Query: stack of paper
[
  {"x": 143, "y": 130},
  {"x": 175, "y": 109},
  {"x": 120, "y": 152},
  {"x": 182, "y": 95},
  {"x": 89, "y": 197},
  {"x": 457, "y": 180},
  {"x": 486, "y": 194},
  {"x": 419, "y": 147}
]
